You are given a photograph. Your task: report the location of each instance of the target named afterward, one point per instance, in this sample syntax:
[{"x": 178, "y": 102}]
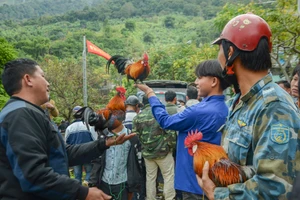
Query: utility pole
[{"x": 84, "y": 72}]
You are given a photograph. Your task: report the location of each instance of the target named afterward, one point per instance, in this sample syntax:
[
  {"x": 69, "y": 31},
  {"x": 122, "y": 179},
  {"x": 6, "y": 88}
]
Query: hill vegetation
[{"x": 176, "y": 34}]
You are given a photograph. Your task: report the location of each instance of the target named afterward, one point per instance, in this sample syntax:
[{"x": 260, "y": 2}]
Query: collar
[
  {"x": 213, "y": 97},
  {"x": 170, "y": 104},
  {"x": 257, "y": 87},
  {"x": 124, "y": 130},
  {"x": 20, "y": 99}
]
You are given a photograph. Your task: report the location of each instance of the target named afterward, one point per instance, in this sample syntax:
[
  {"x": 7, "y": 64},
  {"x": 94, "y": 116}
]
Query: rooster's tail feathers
[
  {"x": 120, "y": 63},
  {"x": 226, "y": 172}
]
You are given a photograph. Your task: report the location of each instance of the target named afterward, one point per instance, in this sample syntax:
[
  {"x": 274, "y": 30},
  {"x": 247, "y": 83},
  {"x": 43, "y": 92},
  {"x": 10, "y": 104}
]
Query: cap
[
  {"x": 76, "y": 108},
  {"x": 133, "y": 100}
]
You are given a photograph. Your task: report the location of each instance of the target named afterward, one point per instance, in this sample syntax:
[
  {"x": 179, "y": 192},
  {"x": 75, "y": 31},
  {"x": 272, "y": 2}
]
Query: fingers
[
  {"x": 122, "y": 138},
  {"x": 104, "y": 196},
  {"x": 142, "y": 87},
  {"x": 204, "y": 174},
  {"x": 199, "y": 180},
  {"x": 205, "y": 169},
  {"x": 119, "y": 139}
]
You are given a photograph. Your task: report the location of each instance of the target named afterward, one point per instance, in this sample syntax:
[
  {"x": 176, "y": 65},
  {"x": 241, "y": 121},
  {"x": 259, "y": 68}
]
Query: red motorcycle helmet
[{"x": 245, "y": 31}]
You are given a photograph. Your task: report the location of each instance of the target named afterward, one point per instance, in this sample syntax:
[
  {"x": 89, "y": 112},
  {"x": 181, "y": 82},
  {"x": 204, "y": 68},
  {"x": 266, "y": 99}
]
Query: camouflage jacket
[
  {"x": 262, "y": 132},
  {"x": 171, "y": 108},
  {"x": 156, "y": 142}
]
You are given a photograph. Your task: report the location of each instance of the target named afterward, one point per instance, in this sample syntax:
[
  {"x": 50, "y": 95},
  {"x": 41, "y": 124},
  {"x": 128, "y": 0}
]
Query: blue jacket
[
  {"x": 207, "y": 116},
  {"x": 77, "y": 133}
]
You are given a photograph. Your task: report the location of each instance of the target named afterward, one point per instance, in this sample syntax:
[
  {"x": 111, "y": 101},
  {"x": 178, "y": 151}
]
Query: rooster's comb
[
  {"x": 121, "y": 89},
  {"x": 146, "y": 56},
  {"x": 192, "y": 137}
]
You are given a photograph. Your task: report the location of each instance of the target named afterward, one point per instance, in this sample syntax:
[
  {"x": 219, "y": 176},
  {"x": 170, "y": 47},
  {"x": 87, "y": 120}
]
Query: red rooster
[
  {"x": 222, "y": 172},
  {"x": 134, "y": 70},
  {"x": 110, "y": 117}
]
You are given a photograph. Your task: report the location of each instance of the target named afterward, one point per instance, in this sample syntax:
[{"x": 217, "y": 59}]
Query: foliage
[
  {"x": 7, "y": 53},
  {"x": 74, "y": 10},
  {"x": 169, "y": 22},
  {"x": 284, "y": 22},
  {"x": 66, "y": 84},
  {"x": 178, "y": 62},
  {"x": 176, "y": 34},
  {"x": 130, "y": 25}
]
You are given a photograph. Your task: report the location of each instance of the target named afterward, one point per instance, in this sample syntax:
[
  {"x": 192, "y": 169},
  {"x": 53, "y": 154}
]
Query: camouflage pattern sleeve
[{"x": 266, "y": 137}]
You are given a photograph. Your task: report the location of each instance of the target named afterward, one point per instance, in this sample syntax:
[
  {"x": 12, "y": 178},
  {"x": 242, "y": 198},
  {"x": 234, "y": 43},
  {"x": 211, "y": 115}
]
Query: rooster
[
  {"x": 222, "y": 172},
  {"x": 135, "y": 70},
  {"x": 109, "y": 117}
]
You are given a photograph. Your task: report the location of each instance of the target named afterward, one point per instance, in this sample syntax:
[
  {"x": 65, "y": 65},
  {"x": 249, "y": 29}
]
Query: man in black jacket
[{"x": 34, "y": 160}]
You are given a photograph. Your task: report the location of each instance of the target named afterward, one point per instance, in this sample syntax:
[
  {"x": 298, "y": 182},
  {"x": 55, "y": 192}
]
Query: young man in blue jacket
[{"x": 207, "y": 116}]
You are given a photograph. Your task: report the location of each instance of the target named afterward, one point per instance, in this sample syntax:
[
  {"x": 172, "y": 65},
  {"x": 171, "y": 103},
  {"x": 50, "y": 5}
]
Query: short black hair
[
  {"x": 257, "y": 60},
  {"x": 145, "y": 100},
  {"x": 296, "y": 70},
  {"x": 192, "y": 92},
  {"x": 285, "y": 83},
  {"x": 170, "y": 95},
  {"x": 13, "y": 73},
  {"x": 211, "y": 68}
]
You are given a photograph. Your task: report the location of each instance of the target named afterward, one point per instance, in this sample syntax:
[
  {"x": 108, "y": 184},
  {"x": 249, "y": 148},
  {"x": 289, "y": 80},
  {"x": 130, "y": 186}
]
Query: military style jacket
[
  {"x": 262, "y": 132},
  {"x": 156, "y": 142}
]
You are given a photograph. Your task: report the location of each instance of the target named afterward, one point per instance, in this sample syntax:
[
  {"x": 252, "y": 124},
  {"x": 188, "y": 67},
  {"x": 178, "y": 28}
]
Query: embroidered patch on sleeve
[
  {"x": 241, "y": 123},
  {"x": 280, "y": 134}
]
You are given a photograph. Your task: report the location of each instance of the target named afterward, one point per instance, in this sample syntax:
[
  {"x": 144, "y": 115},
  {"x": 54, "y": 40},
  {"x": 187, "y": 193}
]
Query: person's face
[
  {"x": 204, "y": 85},
  {"x": 294, "y": 86},
  {"x": 40, "y": 86}
]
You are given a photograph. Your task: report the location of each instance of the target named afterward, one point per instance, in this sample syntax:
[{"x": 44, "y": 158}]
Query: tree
[
  {"x": 285, "y": 25},
  {"x": 147, "y": 37},
  {"x": 169, "y": 22},
  {"x": 130, "y": 25},
  {"x": 66, "y": 84},
  {"x": 179, "y": 61},
  {"x": 7, "y": 53}
]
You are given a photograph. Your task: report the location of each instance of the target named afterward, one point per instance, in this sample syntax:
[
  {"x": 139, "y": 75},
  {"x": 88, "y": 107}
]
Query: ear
[
  {"x": 27, "y": 80},
  {"x": 230, "y": 51},
  {"x": 215, "y": 82}
]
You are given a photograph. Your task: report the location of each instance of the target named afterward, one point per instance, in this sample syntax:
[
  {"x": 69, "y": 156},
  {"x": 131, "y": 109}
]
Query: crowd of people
[{"x": 258, "y": 128}]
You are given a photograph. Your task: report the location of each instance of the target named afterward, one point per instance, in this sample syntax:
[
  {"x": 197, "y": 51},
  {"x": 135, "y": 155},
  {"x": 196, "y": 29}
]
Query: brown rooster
[
  {"x": 110, "y": 117},
  {"x": 222, "y": 172},
  {"x": 134, "y": 70}
]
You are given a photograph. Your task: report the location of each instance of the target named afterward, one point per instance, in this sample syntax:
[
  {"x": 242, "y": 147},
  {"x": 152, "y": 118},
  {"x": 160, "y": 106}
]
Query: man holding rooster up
[
  {"x": 262, "y": 129},
  {"x": 206, "y": 116}
]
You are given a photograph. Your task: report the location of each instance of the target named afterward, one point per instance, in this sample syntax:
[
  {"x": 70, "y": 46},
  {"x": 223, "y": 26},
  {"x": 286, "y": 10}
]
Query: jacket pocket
[{"x": 239, "y": 144}]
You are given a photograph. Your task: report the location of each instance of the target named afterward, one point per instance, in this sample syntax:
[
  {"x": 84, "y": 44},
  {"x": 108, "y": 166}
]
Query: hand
[
  {"x": 145, "y": 88},
  {"x": 206, "y": 183},
  {"x": 96, "y": 194},
  {"x": 118, "y": 139},
  {"x": 49, "y": 105}
]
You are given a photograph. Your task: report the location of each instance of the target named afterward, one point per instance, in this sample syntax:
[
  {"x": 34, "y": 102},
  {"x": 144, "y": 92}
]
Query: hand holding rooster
[
  {"x": 221, "y": 171},
  {"x": 206, "y": 183},
  {"x": 120, "y": 139},
  {"x": 145, "y": 88}
]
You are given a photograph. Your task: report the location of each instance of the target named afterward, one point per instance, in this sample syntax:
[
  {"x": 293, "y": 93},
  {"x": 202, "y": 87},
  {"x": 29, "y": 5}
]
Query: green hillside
[
  {"x": 176, "y": 34},
  {"x": 21, "y": 9}
]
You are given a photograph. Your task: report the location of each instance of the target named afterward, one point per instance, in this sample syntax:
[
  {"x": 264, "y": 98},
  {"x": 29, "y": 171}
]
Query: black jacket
[
  {"x": 34, "y": 160},
  {"x": 134, "y": 167}
]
